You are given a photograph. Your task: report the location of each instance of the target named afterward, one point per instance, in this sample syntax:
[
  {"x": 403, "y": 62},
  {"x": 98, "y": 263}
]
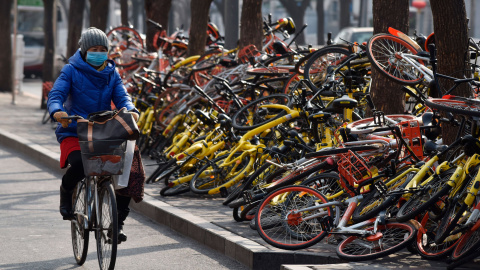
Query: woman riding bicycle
[{"x": 88, "y": 83}]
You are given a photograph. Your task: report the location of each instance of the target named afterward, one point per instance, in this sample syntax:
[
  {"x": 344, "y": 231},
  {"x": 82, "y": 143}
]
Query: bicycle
[{"x": 94, "y": 201}]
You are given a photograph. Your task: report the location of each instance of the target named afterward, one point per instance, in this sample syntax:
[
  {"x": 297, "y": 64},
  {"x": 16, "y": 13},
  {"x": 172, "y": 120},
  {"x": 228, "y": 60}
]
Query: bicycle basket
[
  {"x": 103, "y": 157},
  {"x": 353, "y": 168},
  {"x": 248, "y": 54}
]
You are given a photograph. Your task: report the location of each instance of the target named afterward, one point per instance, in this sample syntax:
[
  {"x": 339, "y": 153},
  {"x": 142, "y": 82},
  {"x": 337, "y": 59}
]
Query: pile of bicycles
[{"x": 283, "y": 136}]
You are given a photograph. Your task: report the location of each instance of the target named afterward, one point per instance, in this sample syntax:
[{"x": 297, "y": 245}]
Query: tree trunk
[
  {"x": 451, "y": 41},
  {"x": 387, "y": 95},
  {"x": 124, "y": 12},
  {"x": 320, "y": 23},
  {"x": 6, "y": 80},
  {"x": 251, "y": 24},
  {"x": 296, "y": 9},
  {"x": 231, "y": 23},
  {"x": 75, "y": 23},
  {"x": 198, "y": 27},
  {"x": 345, "y": 12},
  {"x": 157, "y": 11},
  {"x": 49, "y": 28},
  {"x": 99, "y": 13}
]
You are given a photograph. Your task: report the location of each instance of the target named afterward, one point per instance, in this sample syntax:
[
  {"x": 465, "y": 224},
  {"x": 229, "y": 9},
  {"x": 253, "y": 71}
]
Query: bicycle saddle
[{"x": 345, "y": 102}]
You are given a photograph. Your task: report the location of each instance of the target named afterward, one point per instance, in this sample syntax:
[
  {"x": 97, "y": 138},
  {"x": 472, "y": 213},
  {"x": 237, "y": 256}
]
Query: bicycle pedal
[
  {"x": 326, "y": 223},
  {"x": 381, "y": 187}
]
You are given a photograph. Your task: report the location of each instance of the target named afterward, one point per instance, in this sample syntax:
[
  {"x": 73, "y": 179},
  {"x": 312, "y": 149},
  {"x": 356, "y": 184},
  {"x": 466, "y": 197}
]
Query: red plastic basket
[
  {"x": 46, "y": 88},
  {"x": 353, "y": 168},
  {"x": 248, "y": 54},
  {"x": 411, "y": 133}
]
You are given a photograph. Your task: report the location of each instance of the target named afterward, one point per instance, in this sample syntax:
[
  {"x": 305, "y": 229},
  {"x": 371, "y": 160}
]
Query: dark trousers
[{"x": 75, "y": 174}]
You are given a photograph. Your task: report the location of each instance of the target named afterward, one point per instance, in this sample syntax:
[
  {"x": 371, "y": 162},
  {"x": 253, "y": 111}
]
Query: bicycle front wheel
[
  {"x": 282, "y": 222},
  {"x": 385, "y": 53},
  {"x": 463, "y": 106},
  {"x": 252, "y": 115},
  {"x": 107, "y": 226},
  {"x": 389, "y": 238},
  {"x": 80, "y": 235}
]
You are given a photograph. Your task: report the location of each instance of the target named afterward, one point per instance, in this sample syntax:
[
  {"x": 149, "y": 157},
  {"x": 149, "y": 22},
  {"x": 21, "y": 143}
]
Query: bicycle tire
[
  {"x": 455, "y": 208},
  {"x": 328, "y": 184},
  {"x": 248, "y": 212},
  {"x": 402, "y": 234},
  {"x": 425, "y": 242},
  {"x": 452, "y": 216},
  {"x": 241, "y": 118},
  {"x": 375, "y": 201},
  {"x": 367, "y": 125},
  {"x": 275, "y": 227},
  {"x": 383, "y": 49},
  {"x": 255, "y": 184},
  {"x": 203, "y": 183},
  {"x": 265, "y": 172},
  {"x": 174, "y": 190},
  {"x": 417, "y": 203},
  {"x": 468, "y": 107},
  {"x": 80, "y": 235},
  {"x": 323, "y": 62},
  {"x": 468, "y": 244},
  {"x": 161, "y": 168},
  {"x": 46, "y": 117},
  {"x": 107, "y": 226},
  {"x": 125, "y": 46}
]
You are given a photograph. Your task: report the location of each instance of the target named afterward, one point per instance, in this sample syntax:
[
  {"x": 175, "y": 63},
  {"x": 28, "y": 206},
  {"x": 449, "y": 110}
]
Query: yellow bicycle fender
[
  {"x": 182, "y": 180},
  {"x": 185, "y": 62},
  {"x": 235, "y": 180},
  {"x": 472, "y": 162}
]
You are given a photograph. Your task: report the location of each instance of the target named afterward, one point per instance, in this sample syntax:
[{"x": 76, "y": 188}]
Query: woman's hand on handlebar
[{"x": 59, "y": 116}]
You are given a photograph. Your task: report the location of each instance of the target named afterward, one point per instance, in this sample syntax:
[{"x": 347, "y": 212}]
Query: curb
[{"x": 241, "y": 249}]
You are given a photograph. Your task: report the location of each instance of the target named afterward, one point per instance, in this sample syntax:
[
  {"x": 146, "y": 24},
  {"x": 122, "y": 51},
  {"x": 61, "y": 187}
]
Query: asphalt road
[{"x": 33, "y": 235}]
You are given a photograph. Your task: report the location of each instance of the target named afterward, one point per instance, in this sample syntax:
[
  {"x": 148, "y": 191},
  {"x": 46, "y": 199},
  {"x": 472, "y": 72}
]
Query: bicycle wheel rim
[
  {"x": 250, "y": 117},
  {"x": 426, "y": 243},
  {"x": 322, "y": 62},
  {"x": 275, "y": 224},
  {"x": 107, "y": 227},
  {"x": 454, "y": 106},
  {"x": 80, "y": 236},
  {"x": 383, "y": 51},
  {"x": 469, "y": 242},
  {"x": 356, "y": 248}
]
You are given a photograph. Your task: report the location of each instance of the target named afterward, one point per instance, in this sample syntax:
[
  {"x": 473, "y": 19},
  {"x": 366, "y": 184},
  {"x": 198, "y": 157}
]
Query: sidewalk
[{"x": 202, "y": 218}]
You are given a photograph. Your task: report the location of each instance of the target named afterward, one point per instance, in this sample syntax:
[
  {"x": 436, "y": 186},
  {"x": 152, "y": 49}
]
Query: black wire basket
[{"x": 103, "y": 157}]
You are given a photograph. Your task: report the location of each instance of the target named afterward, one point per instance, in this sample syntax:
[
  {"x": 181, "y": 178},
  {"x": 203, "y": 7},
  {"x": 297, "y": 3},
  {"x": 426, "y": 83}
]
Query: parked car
[{"x": 354, "y": 34}]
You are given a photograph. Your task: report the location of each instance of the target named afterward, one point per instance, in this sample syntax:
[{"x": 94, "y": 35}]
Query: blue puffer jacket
[{"x": 81, "y": 89}]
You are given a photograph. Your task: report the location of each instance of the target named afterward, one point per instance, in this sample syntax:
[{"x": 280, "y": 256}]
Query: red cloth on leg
[{"x": 67, "y": 146}]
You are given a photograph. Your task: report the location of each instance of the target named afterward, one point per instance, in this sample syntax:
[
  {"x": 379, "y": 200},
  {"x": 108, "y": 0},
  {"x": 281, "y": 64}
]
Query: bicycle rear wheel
[
  {"x": 426, "y": 239},
  {"x": 126, "y": 42},
  {"x": 468, "y": 244},
  {"x": 384, "y": 52},
  {"x": 252, "y": 116},
  {"x": 282, "y": 223},
  {"x": 107, "y": 226},
  {"x": 322, "y": 63},
  {"x": 80, "y": 235},
  {"x": 463, "y": 106},
  {"x": 389, "y": 238}
]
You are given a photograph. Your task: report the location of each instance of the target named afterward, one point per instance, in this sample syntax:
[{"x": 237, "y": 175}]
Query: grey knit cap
[{"x": 92, "y": 37}]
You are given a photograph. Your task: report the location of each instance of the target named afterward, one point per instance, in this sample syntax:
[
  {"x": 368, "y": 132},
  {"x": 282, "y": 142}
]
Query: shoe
[
  {"x": 122, "y": 237},
  {"x": 66, "y": 204}
]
